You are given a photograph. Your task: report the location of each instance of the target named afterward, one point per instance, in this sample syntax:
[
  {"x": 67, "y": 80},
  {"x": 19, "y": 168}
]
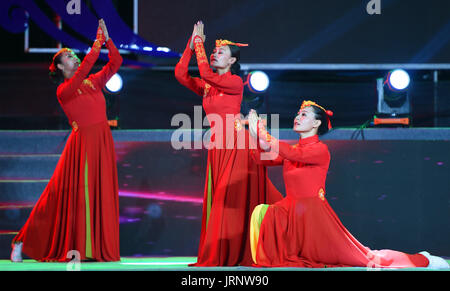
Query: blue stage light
[
  {"x": 398, "y": 80},
  {"x": 114, "y": 84},
  {"x": 258, "y": 81}
]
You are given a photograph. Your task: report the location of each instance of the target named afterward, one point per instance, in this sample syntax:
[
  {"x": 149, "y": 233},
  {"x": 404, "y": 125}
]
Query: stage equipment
[{"x": 394, "y": 107}]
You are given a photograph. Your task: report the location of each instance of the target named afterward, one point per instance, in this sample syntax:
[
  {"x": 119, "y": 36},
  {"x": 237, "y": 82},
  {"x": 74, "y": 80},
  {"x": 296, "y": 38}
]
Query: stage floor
[{"x": 155, "y": 264}]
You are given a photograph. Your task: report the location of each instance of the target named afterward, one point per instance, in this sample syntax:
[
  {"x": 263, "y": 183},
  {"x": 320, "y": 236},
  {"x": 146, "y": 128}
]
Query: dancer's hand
[
  {"x": 198, "y": 30},
  {"x": 257, "y": 129},
  {"x": 194, "y": 33},
  {"x": 102, "y": 25},
  {"x": 100, "y": 34},
  {"x": 253, "y": 123}
]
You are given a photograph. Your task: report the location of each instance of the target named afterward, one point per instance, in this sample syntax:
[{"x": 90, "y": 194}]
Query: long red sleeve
[
  {"x": 115, "y": 60},
  {"x": 229, "y": 85},
  {"x": 182, "y": 75},
  {"x": 317, "y": 155},
  {"x": 66, "y": 91},
  {"x": 271, "y": 158}
]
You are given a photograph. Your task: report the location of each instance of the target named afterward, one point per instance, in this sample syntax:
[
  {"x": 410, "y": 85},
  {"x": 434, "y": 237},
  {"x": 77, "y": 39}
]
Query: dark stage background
[
  {"x": 297, "y": 32},
  {"x": 150, "y": 98},
  {"x": 304, "y": 31},
  {"x": 279, "y": 31},
  {"x": 389, "y": 193}
]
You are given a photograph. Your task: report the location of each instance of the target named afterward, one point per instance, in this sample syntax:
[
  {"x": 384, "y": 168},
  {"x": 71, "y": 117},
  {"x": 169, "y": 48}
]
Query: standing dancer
[
  {"x": 79, "y": 208},
  {"x": 235, "y": 184},
  {"x": 302, "y": 230}
]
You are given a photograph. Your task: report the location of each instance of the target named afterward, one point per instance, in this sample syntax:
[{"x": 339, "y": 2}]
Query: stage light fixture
[
  {"x": 258, "y": 81},
  {"x": 394, "y": 106},
  {"x": 255, "y": 91},
  {"x": 115, "y": 84}
]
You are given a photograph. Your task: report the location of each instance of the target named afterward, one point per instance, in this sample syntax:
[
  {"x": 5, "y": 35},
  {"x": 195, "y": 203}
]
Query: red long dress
[
  {"x": 235, "y": 184},
  {"x": 302, "y": 230},
  {"x": 79, "y": 208}
]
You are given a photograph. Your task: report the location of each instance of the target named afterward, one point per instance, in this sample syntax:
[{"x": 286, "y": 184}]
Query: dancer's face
[
  {"x": 69, "y": 63},
  {"x": 306, "y": 121},
  {"x": 221, "y": 58}
]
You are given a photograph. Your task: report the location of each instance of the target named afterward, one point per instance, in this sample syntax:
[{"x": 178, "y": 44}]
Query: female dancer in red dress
[
  {"x": 302, "y": 230},
  {"x": 235, "y": 184},
  {"x": 79, "y": 208}
]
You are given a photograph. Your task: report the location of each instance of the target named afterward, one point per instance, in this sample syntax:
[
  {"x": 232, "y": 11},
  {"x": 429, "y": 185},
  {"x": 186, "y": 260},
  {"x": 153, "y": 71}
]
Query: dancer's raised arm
[
  {"x": 320, "y": 155},
  {"x": 271, "y": 158},
  {"x": 182, "y": 69},
  {"x": 66, "y": 91},
  {"x": 227, "y": 84},
  {"x": 115, "y": 60}
]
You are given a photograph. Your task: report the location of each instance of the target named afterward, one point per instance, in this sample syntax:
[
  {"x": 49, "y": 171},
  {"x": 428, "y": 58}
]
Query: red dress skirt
[
  {"x": 235, "y": 185},
  {"x": 302, "y": 230},
  {"x": 79, "y": 208},
  {"x": 306, "y": 232}
]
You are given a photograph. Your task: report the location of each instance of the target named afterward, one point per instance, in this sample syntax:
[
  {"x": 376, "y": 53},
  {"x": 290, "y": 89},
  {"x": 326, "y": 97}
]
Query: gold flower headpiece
[
  {"x": 329, "y": 113},
  {"x": 52, "y": 67},
  {"x": 223, "y": 42},
  {"x": 309, "y": 103}
]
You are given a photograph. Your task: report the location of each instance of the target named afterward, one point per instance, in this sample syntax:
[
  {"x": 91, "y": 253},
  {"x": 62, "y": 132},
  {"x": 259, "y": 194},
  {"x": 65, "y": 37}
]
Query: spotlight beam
[
  {"x": 115, "y": 84},
  {"x": 258, "y": 81}
]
